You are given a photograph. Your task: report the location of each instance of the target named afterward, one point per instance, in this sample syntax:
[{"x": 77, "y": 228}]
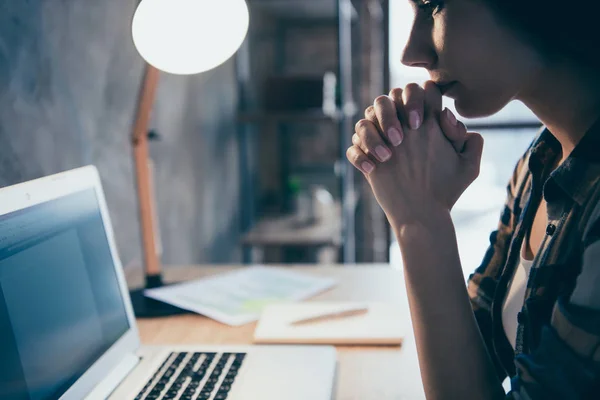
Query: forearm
[{"x": 452, "y": 355}]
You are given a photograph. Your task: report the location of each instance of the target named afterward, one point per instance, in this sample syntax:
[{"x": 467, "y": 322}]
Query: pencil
[{"x": 332, "y": 316}]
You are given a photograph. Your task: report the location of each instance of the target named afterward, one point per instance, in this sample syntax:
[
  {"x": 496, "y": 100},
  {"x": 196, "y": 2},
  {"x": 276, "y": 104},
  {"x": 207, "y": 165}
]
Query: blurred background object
[
  {"x": 298, "y": 112},
  {"x": 189, "y": 36}
]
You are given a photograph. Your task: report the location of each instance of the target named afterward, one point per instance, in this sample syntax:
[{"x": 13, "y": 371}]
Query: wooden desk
[{"x": 365, "y": 373}]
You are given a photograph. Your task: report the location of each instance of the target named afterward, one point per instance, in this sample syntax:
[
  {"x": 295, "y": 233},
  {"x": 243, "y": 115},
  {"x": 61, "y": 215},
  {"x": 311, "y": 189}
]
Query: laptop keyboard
[{"x": 193, "y": 376}]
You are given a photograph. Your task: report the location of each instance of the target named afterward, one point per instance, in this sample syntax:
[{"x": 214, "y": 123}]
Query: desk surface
[{"x": 365, "y": 373}]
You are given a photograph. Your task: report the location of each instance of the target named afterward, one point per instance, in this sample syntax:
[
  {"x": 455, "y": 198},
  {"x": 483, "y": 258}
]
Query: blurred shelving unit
[{"x": 278, "y": 230}]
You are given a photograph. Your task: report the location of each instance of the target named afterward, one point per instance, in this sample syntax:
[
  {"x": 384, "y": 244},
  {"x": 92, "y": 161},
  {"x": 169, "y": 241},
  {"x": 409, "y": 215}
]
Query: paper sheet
[{"x": 238, "y": 297}]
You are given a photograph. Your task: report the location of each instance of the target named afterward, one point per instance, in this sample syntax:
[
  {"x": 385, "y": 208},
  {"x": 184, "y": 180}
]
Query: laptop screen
[{"x": 60, "y": 302}]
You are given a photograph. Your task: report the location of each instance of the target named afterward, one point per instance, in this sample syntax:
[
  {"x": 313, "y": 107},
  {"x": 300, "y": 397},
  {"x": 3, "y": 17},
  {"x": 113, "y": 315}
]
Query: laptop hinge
[{"x": 114, "y": 378}]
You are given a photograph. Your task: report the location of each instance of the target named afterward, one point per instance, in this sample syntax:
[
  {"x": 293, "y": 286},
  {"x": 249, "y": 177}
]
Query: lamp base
[{"x": 145, "y": 307}]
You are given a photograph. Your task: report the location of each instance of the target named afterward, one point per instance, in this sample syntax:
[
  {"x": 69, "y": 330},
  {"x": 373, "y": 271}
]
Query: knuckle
[
  {"x": 396, "y": 93},
  {"x": 351, "y": 154},
  {"x": 371, "y": 116},
  {"x": 430, "y": 85},
  {"x": 366, "y": 137},
  {"x": 381, "y": 100},
  {"x": 355, "y": 155},
  {"x": 362, "y": 124},
  {"x": 412, "y": 88}
]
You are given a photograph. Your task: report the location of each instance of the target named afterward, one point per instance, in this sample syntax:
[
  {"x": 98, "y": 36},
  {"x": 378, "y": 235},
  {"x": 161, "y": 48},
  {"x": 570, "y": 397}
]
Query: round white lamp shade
[{"x": 189, "y": 36}]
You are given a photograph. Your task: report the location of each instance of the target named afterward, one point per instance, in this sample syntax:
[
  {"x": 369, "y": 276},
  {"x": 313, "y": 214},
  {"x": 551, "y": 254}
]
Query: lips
[{"x": 445, "y": 86}]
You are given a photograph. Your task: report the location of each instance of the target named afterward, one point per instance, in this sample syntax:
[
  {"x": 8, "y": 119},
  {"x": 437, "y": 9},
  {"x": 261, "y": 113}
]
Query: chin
[{"x": 477, "y": 107}]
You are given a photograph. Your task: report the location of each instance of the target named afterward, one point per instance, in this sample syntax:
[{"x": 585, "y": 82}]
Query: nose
[{"x": 419, "y": 50}]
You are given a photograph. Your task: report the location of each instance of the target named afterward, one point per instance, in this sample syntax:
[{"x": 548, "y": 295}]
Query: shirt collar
[{"x": 579, "y": 173}]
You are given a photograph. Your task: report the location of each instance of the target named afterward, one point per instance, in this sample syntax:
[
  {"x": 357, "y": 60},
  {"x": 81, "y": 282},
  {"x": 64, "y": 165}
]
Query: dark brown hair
[{"x": 558, "y": 28}]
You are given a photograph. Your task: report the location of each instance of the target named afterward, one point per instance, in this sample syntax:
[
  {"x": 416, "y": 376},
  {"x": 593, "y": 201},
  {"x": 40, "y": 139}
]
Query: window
[{"x": 507, "y": 135}]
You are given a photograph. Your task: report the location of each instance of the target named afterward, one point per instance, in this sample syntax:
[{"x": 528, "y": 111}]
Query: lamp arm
[{"x": 145, "y": 199}]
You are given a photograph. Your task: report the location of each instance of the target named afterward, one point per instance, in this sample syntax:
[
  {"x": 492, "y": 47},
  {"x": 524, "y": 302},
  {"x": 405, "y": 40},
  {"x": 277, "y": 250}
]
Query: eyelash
[{"x": 431, "y": 6}]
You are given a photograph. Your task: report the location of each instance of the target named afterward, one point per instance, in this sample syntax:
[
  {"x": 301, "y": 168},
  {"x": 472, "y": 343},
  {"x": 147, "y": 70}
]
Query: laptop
[{"x": 67, "y": 330}]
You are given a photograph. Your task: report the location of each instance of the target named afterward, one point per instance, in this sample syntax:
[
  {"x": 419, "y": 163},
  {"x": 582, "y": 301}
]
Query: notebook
[{"x": 381, "y": 325}]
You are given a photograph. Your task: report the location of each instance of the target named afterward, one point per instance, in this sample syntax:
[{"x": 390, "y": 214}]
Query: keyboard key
[
  {"x": 208, "y": 388},
  {"x": 170, "y": 386}
]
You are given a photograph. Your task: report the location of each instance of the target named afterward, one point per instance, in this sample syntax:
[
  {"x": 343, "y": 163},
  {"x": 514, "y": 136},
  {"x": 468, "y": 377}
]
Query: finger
[
  {"x": 360, "y": 160},
  {"x": 472, "y": 152},
  {"x": 358, "y": 143},
  {"x": 414, "y": 99},
  {"x": 385, "y": 111},
  {"x": 433, "y": 100},
  {"x": 473, "y": 146},
  {"x": 455, "y": 131},
  {"x": 370, "y": 115},
  {"x": 371, "y": 142},
  {"x": 396, "y": 96}
]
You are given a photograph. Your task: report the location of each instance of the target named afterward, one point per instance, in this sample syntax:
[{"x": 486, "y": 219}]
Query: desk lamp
[{"x": 181, "y": 37}]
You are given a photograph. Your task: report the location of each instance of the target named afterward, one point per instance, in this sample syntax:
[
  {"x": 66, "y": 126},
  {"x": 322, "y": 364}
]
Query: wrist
[{"x": 430, "y": 222}]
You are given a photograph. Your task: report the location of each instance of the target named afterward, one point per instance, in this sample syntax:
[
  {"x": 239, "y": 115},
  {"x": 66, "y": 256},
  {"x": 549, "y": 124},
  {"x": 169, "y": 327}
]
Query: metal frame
[{"x": 347, "y": 189}]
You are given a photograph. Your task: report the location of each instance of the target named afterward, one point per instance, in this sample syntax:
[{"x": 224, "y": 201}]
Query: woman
[{"x": 531, "y": 311}]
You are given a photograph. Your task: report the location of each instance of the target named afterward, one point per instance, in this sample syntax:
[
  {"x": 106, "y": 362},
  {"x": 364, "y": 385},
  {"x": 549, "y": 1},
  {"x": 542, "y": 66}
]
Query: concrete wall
[{"x": 69, "y": 78}]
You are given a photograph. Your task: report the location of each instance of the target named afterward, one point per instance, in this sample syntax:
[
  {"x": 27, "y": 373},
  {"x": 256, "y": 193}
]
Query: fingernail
[
  {"x": 367, "y": 167},
  {"x": 451, "y": 117},
  {"x": 395, "y": 136},
  {"x": 383, "y": 153},
  {"x": 414, "y": 120}
]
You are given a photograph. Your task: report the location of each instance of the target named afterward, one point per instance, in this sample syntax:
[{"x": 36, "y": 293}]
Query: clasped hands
[{"x": 417, "y": 158}]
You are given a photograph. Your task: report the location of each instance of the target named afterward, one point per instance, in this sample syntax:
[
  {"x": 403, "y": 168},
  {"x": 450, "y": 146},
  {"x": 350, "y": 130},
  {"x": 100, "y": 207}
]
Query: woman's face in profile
[{"x": 475, "y": 58}]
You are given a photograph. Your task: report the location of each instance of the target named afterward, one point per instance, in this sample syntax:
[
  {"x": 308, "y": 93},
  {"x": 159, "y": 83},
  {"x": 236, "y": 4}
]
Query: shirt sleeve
[
  {"x": 566, "y": 364},
  {"x": 483, "y": 282}
]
